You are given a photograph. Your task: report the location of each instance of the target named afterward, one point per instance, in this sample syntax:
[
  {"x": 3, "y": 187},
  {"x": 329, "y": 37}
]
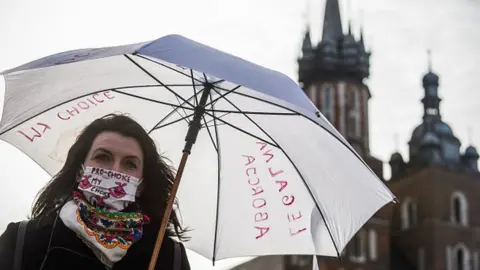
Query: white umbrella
[{"x": 268, "y": 173}]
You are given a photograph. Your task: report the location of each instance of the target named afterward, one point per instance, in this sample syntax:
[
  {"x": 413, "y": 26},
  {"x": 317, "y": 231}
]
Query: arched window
[
  {"x": 409, "y": 213},
  {"x": 459, "y": 209},
  {"x": 459, "y": 260},
  {"x": 412, "y": 211},
  {"x": 358, "y": 247},
  {"x": 353, "y": 103},
  {"x": 461, "y": 257},
  {"x": 421, "y": 259},
  {"x": 372, "y": 244},
  {"x": 475, "y": 261},
  {"x": 312, "y": 94}
]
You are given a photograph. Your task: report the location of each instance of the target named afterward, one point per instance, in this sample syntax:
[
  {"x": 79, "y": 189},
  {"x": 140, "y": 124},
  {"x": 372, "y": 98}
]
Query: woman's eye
[
  {"x": 131, "y": 165},
  {"x": 101, "y": 157}
]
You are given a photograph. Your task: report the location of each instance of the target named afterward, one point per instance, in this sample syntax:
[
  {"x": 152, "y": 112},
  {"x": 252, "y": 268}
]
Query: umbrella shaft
[
  {"x": 191, "y": 137},
  {"x": 196, "y": 123}
]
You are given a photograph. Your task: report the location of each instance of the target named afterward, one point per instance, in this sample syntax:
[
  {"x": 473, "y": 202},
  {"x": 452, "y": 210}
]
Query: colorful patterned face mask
[{"x": 108, "y": 190}]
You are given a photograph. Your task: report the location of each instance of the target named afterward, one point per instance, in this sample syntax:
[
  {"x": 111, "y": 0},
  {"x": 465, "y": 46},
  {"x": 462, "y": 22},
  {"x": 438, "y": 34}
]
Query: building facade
[{"x": 435, "y": 226}]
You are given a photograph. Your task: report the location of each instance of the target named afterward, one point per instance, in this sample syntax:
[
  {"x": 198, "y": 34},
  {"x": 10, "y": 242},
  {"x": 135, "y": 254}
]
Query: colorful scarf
[{"x": 108, "y": 234}]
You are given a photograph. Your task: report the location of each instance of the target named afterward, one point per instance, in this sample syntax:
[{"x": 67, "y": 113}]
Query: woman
[{"x": 104, "y": 208}]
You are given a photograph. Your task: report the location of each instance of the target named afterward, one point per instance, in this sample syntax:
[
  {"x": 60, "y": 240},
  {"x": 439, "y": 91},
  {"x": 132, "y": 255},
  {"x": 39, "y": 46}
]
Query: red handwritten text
[
  {"x": 258, "y": 201},
  {"x": 84, "y": 105},
  {"x": 287, "y": 199},
  {"x": 37, "y": 131}
]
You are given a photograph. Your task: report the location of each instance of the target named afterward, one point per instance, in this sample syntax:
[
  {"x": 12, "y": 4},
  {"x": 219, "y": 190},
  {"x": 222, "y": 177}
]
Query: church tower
[
  {"x": 332, "y": 74},
  {"x": 433, "y": 141},
  {"x": 435, "y": 226}
]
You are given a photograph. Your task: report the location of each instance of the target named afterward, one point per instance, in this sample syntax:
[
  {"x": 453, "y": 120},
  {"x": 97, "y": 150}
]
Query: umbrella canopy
[{"x": 267, "y": 175}]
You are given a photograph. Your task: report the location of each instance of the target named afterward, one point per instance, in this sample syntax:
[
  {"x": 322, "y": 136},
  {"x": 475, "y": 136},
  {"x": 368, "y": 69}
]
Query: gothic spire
[
  {"x": 307, "y": 42},
  {"x": 332, "y": 23},
  {"x": 361, "y": 42}
]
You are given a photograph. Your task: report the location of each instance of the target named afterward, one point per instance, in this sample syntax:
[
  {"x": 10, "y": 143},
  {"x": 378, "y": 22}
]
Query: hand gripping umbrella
[{"x": 269, "y": 175}]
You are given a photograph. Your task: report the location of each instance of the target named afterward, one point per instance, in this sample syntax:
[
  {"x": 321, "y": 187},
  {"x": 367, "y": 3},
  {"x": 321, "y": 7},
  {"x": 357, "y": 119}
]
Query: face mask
[{"x": 108, "y": 189}]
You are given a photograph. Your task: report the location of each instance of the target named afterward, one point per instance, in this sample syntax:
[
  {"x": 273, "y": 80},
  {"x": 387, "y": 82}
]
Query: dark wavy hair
[{"x": 158, "y": 176}]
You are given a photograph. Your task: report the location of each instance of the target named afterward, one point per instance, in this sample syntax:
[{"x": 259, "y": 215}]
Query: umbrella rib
[
  {"x": 236, "y": 88},
  {"x": 194, "y": 89},
  {"x": 213, "y": 125},
  {"x": 178, "y": 71},
  {"x": 225, "y": 114},
  {"x": 170, "y": 123},
  {"x": 243, "y": 112},
  {"x": 175, "y": 110},
  {"x": 254, "y": 113},
  {"x": 214, "y": 83},
  {"x": 276, "y": 105},
  {"x": 241, "y": 130},
  {"x": 219, "y": 163},
  {"x": 266, "y": 101},
  {"x": 210, "y": 134},
  {"x": 217, "y": 82},
  {"x": 156, "y": 79},
  {"x": 77, "y": 97},
  {"x": 152, "y": 100},
  {"x": 180, "y": 85},
  {"x": 183, "y": 117},
  {"x": 298, "y": 172},
  {"x": 223, "y": 95}
]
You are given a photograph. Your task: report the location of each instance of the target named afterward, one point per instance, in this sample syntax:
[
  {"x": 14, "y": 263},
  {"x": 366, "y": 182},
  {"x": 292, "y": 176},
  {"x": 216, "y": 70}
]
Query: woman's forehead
[{"x": 117, "y": 144}]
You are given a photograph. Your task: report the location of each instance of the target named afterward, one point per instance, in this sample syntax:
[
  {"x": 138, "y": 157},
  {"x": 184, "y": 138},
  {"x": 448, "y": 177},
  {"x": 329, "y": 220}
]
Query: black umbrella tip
[{"x": 208, "y": 85}]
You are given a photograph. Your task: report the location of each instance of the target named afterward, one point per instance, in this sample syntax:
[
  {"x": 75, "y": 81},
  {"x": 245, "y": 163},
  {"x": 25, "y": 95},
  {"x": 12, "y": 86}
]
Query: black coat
[{"x": 67, "y": 251}]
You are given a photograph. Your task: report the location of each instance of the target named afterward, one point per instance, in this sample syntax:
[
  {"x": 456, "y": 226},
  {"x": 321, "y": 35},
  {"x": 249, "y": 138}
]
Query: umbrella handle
[{"x": 166, "y": 215}]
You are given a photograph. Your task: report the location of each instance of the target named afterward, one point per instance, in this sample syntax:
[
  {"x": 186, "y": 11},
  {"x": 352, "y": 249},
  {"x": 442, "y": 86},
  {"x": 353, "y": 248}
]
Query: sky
[{"x": 269, "y": 33}]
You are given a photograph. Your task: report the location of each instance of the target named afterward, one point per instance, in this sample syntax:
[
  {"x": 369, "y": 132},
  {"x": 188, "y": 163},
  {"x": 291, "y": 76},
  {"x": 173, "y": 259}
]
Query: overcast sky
[{"x": 269, "y": 33}]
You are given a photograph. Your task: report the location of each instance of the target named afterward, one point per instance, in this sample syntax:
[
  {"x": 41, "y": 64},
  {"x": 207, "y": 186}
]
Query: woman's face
[{"x": 113, "y": 151}]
